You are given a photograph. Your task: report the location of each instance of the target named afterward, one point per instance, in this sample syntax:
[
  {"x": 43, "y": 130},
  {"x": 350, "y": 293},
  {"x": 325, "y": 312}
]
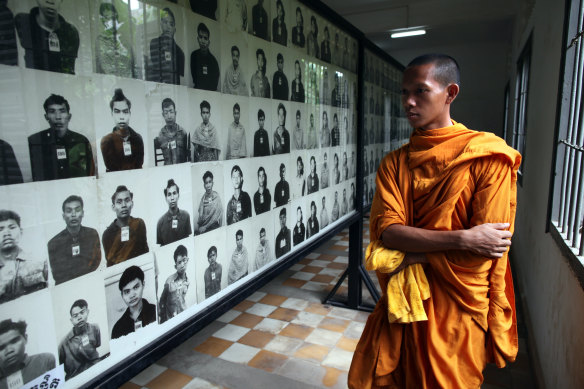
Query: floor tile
[
  {"x": 341, "y": 259},
  {"x": 312, "y": 352},
  {"x": 296, "y": 267},
  {"x": 339, "y": 359},
  {"x": 313, "y": 286},
  {"x": 231, "y": 332},
  {"x": 283, "y": 345},
  {"x": 339, "y": 247},
  {"x": 130, "y": 385},
  {"x": 294, "y": 303},
  {"x": 213, "y": 346},
  {"x": 267, "y": 360},
  {"x": 305, "y": 261},
  {"x": 336, "y": 265},
  {"x": 148, "y": 374},
  {"x": 319, "y": 263},
  {"x": 246, "y": 320},
  {"x": 331, "y": 271},
  {"x": 331, "y": 377},
  {"x": 243, "y": 306},
  {"x": 324, "y": 337},
  {"x": 169, "y": 379},
  {"x": 284, "y": 314},
  {"x": 303, "y": 371},
  {"x": 256, "y": 338},
  {"x": 308, "y": 319},
  {"x": 345, "y": 313},
  {"x": 312, "y": 255},
  {"x": 318, "y": 308},
  {"x": 294, "y": 283},
  {"x": 334, "y": 324},
  {"x": 343, "y": 242},
  {"x": 312, "y": 269},
  {"x": 298, "y": 331},
  {"x": 256, "y": 296},
  {"x": 228, "y": 316},
  {"x": 261, "y": 309},
  {"x": 302, "y": 275},
  {"x": 325, "y": 279},
  {"x": 239, "y": 353},
  {"x": 326, "y": 257},
  {"x": 199, "y": 383},
  {"x": 272, "y": 326},
  {"x": 346, "y": 344}
]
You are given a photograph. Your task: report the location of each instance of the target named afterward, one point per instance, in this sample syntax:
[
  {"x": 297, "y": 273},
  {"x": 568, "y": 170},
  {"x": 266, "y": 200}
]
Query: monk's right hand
[{"x": 489, "y": 240}]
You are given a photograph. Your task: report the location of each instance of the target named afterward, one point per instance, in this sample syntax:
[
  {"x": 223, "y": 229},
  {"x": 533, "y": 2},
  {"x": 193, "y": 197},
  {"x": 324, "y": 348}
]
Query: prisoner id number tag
[
  {"x": 204, "y": 70},
  {"x": 167, "y": 56},
  {"x": 282, "y": 192},
  {"x": 61, "y": 153},
  {"x": 238, "y": 206},
  {"x": 125, "y": 233},
  {"x": 213, "y": 276},
  {"x": 261, "y": 199},
  {"x": 280, "y": 81},
  {"x": 283, "y": 141},
  {"x": 85, "y": 340},
  {"x": 54, "y": 44},
  {"x": 283, "y": 243},
  {"x": 261, "y": 141},
  {"x": 137, "y": 325},
  {"x": 172, "y": 144},
  {"x": 14, "y": 380},
  {"x": 75, "y": 250},
  {"x": 261, "y": 85},
  {"x": 297, "y": 88},
  {"x": 127, "y": 148},
  {"x": 174, "y": 224}
]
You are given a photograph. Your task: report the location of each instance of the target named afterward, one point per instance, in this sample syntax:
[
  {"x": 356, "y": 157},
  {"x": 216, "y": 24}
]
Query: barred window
[{"x": 521, "y": 89}]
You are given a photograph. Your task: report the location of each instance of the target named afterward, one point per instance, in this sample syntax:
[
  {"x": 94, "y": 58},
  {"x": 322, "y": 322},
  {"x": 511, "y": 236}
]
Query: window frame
[{"x": 521, "y": 97}]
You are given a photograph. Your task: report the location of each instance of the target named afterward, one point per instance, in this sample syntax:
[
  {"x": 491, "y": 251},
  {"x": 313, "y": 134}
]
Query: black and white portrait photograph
[
  {"x": 283, "y": 220},
  {"x": 131, "y": 298},
  {"x": 261, "y": 241},
  {"x": 207, "y": 133},
  {"x": 279, "y": 21},
  {"x": 238, "y": 246},
  {"x": 324, "y": 198},
  {"x": 312, "y": 218},
  {"x": 260, "y": 125},
  {"x": 28, "y": 330},
  {"x": 312, "y": 177},
  {"x": 336, "y": 50},
  {"x": 325, "y": 131},
  {"x": 298, "y": 31},
  {"x": 81, "y": 325},
  {"x": 324, "y": 85},
  {"x": 325, "y": 43},
  {"x": 298, "y": 128},
  {"x": 261, "y": 56},
  {"x": 283, "y": 120},
  {"x": 25, "y": 265},
  {"x": 312, "y": 35},
  {"x": 204, "y": 50},
  {"x": 335, "y": 133},
  {"x": 239, "y": 181},
  {"x": 263, "y": 180},
  {"x": 209, "y": 197},
  {"x": 71, "y": 223},
  {"x": 298, "y": 93},
  {"x": 212, "y": 259},
  {"x": 124, "y": 205},
  {"x": 234, "y": 15},
  {"x": 312, "y": 123},
  {"x": 176, "y": 278},
  {"x": 280, "y": 80},
  {"x": 299, "y": 218},
  {"x": 259, "y": 20},
  {"x": 299, "y": 171},
  {"x": 236, "y": 62},
  {"x": 282, "y": 194},
  {"x": 207, "y": 8},
  {"x": 325, "y": 168},
  {"x": 239, "y": 136}
]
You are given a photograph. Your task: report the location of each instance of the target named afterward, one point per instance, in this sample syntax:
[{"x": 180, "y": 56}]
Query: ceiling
[{"x": 448, "y": 22}]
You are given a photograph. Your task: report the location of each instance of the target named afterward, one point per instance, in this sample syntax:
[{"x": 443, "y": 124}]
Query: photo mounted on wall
[
  {"x": 297, "y": 127},
  {"x": 235, "y": 57},
  {"x": 336, "y": 174},
  {"x": 204, "y": 50},
  {"x": 71, "y": 222},
  {"x": 300, "y": 27},
  {"x": 234, "y": 16},
  {"x": 299, "y": 171},
  {"x": 236, "y": 126},
  {"x": 259, "y": 21},
  {"x": 280, "y": 21},
  {"x": 238, "y": 183},
  {"x": 325, "y": 130},
  {"x": 207, "y": 8},
  {"x": 325, "y": 85},
  {"x": 326, "y": 201},
  {"x": 312, "y": 177},
  {"x": 208, "y": 197},
  {"x": 261, "y": 241},
  {"x": 283, "y": 219},
  {"x": 313, "y": 34},
  {"x": 207, "y": 134},
  {"x": 281, "y": 193},
  {"x": 280, "y": 134},
  {"x": 212, "y": 259},
  {"x": 239, "y": 249},
  {"x": 81, "y": 324},
  {"x": 325, "y": 168},
  {"x": 260, "y": 125},
  {"x": 261, "y": 179},
  {"x": 312, "y": 137},
  {"x": 260, "y": 57},
  {"x": 299, "y": 219},
  {"x": 176, "y": 278},
  {"x": 297, "y": 83},
  {"x": 281, "y": 71},
  {"x": 316, "y": 214}
]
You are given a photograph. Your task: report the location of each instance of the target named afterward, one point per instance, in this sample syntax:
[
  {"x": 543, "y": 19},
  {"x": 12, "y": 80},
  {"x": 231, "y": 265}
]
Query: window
[
  {"x": 506, "y": 113},
  {"x": 521, "y": 87},
  {"x": 567, "y": 191}
]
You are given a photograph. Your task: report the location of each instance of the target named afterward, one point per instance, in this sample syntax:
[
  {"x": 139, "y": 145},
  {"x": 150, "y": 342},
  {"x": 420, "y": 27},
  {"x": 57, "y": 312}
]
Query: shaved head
[{"x": 446, "y": 70}]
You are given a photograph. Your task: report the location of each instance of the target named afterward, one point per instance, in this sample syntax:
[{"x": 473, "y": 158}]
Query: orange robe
[{"x": 445, "y": 179}]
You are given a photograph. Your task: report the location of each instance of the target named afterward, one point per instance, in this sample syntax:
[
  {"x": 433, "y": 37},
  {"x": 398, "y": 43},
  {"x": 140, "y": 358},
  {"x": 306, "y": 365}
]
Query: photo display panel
[{"x": 253, "y": 103}]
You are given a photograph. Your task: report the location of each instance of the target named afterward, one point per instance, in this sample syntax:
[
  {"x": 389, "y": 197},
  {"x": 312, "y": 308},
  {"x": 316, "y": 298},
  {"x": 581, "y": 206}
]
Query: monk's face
[{"x": 425, "y": 100}]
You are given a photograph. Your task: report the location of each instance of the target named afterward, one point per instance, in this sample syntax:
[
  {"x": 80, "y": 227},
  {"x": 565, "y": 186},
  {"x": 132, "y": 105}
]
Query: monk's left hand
[{"x": 410, "y": 259}]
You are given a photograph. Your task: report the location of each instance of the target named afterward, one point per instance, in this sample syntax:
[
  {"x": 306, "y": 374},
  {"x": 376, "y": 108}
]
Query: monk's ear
[{"x": 452, "y": 91}]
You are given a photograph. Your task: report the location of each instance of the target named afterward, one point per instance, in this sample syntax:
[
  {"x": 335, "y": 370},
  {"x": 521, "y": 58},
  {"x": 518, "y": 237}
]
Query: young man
[
  {"x": 259, "y": 84},
  {"x": 299, "y": 228},
  {"x": 10, "y": 170},
  {"x": 325, "y": 46},
  {"x": 283, "y": 241},
  {"x": 259, "y": 18},
  {"x": 325, "y": 133},
  {"x": 49, "y": 41},
  {"x": 298, "y": 133},
  {"x": 344, "y": 204},
  {"x": 345, "y": 167},
  {"x": 212, "y": 273},
  {"x": 125, "y": 237},
  {"x": 233, "y": 81},
  {"x": 140, "y": 312},
  {"x": 324, "y": 217},
  {"x": 18, "y": 276},
  {"x": 166, "y": 57},
  {"x": 282, "y": 191},
  {"x": 236, "y": 16},
  {"x": 281, "y": 143},
  {"x": 239, "y": 265},
  {"x": 16, "y": 366},
  {"x": 298, "y": 38},
  {"x": 311, "y": 137},
  {"x": 261, "y": 140},
  {"x": 312, "y": 224},
  {"x": 336, "y": 171},
  {"x": 175, "y": 224},
  {"x": 336, "y": 94},
  {"x": 204, "y": 140},
  {"x": 312, "y": 184},
  {"x": 204, "y": 65},
  {"x": 123, "y": 148},
  {"x": 263, "y": 252},
  {"x": 279, "y": 30},
  {"x": 239, "y": 207},
  {"x": 262, "y": 197},
  {"x": 324, "y": 173},
  {"x": 335, "y": 213},
  {"x": 335, "y": 132},
  {"x": 463, "y": 182},
  {"x": 58, "y": 152},
  {"x": 210, "y": 207},
  {"x": 78, "y": 349},
  {"x": 352, "y": 202},
  {"x": 76, "y": 250},
  {"x": 236, "y": 141},
  {"x": 297, "y": 93},
  {"x": 280, "y": 81},
  {"x": 172, "y": 299},
  {"x": 172, "y": 139}
]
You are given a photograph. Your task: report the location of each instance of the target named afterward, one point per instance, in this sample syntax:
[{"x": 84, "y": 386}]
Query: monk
[{"x": 447, "y": 200}]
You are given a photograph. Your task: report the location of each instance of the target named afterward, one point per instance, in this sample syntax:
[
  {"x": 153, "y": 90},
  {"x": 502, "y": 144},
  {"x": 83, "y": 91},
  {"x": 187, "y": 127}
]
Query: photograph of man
[
  {"x": 236, "y": 15},
  {"x": 205, "y": 140},
  {"x": 312, "y": 47},
  {"x": 125, "y": 237},
  {"x": 325, "y": 94},
  {"x": 123, "y": 148},
  {"x": 299, "y": 228},
  {"x": 172, "y": 299},
  {"x": 336, "y": 171},
  {"x": 8, "y": 48},
  {"x": 58, "y": 152},
  {"x": 263, "y": 252},
  {"x": 371, "y": 190},
  {"x": 376, "y": 158},
  {"x": 233, "y": 80},
  {"x": 283, "y": 242},
  {"x": 298, "y": 133},
  {"x": 365, "y": 191},
  {"x": 259, "y": 84},
  {"x": 239, "y": 207},
  {"x": 18, "y": 276},
  {"x": 167, "y": 60},
  {"x": 325, "y": 133},
  {"x": 348, "y": 131},
  {"x": 311, "y": 142},
  {"x": 279, "y": 31},
  {"x": 172, "y": 138},
  {"x": 239, "y": 265},
  {"x": 345, "y": 168},
  {"x": 282, "y": 191},
  {"x": 298, "y": 38},
  {"x": 336, "y": 51},
  {"x": 76, "y": 250},
  {"x": 140, "y": 312},
  {"x": 281, "y": 136},
  {"x": 212, "y": 273},
  {"x": 78, "y": 349},
  {"x": 262, "y": 197},
  {"x": 280, "y": 81},
  {"x": 336, "y": 94},
  {"x": 297, "y": 86},
  {"x": 344, "y": 204},
  {"x": 299, "y": 179},
  {"x": 261, "y": 140},
  {"x": 345, "y": 94},
  {"x": 236, "y": 141},
  {"x": 324, "y": 217},
  {"x": 335, "y": 213},
  {"x": 9, "y": 171},
  {"x": 175, "y": 224},
  {"x": 49, "y": 41},
  {"x": 210, "y": 208},
  {"x": 206, "y": 8},
  {"x": 312, "y": 224},
  {"x": 372, "y": 167},
  {"x": 353, "y": 168},
  {"x": 312, "y": 183},
  {"x": 259, "y": 19},
  {"x": 204, "y": 65},
  {"x": 324, "y": 174},
  {"x": 365, "y": 164},
  {"x": 16, "y": 366},
  {"x": 352, "y": 203},
  {"x": 325, "y": 46},
  {"x": 335, "y": 132},
  {"x": 114, "y": 52}
]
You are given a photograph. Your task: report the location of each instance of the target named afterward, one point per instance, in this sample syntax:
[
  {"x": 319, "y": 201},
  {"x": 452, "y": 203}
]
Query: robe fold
[{"x": 445, "y": 179}]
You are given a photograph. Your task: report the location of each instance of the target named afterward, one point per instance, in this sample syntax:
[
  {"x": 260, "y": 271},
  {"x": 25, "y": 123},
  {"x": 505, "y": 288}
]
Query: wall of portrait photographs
[
  {"x": 385, "y": 127},
  {"x": 155, "y": 156}
]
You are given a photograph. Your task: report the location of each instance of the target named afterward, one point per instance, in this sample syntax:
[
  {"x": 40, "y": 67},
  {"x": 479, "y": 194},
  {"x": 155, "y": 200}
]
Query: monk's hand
[
  {"x": 410, "y": 259},
  {"x": 489, "y": 240}
]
